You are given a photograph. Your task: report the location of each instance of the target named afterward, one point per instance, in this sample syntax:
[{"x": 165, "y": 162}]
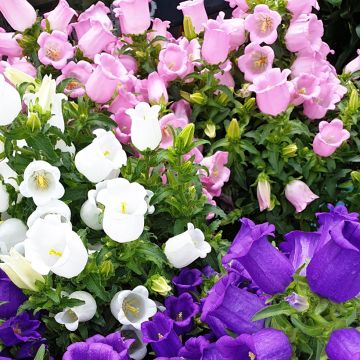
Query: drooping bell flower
[
  {"x": 18, "y": 13},
  {"x": 9, "y": 45},
  {"x": 195, "y": 9},
  {"x": 187, "y": 280},
  {"x": 344, "y": 344},
  {"x": 194, "y": 348},
  {"x": 159, "y": 333},
  {"x": 330, "y": 137},
  {"x": 266, "y": 344},
  {"x": 97, "y": 13},
  {"x": 232, "y": 307},
  {"x": 298, "y": 7},
  {"x": 157, "y": 92},
  {"x": 334, "y": 271},
  {"x": 60, "y": 17},
  {"x": 268, "y": 267},
  {"x": 299, "y": 194}
]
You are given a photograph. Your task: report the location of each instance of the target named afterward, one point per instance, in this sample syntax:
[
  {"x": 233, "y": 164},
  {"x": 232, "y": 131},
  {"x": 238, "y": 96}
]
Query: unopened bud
[
  {"x": 354, "y": 104},
  {"x": 33, "y": 122},
  {"x": 106, "y": 268},
  {"x": 198, "y": 98},
  {"x": 233, "y": 131},
  {"x": 185, "y": 95},
  {"x": 355, "y": 176},
  {"x": 186, "y": 136},
  {"x": 223, "y": 99},
  {"x": 189, "y": 30},
  {"x": 17, "y": 77},
  {"x": 210, "y": 130},
  {"x": 289, "y": 150},
  {"x": 298, "y": 302},
  {"x": 159, "y": 285},
  {"x": 263, "y": 192},
  {"x": 249, "y": 104}
]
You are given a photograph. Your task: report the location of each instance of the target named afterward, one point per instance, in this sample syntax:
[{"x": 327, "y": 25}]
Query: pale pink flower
[
  {"x": 241, "y": 4},
  {"x": 299, "y": 195},
  {"x": 54, "y": 49},
  {"x": 181, "y": 109},
  {"x": 123, "y": 101},
  {"x": 306, "y": 87},
  {"x": 123, "y": 131},
  {"x": 60, "y": 17},
  {"x": 18, "y": 13},
  {"x": 330, "y": 137},
  {"x": 263, "y": 193},
  {"x": 157, "y": 92},
  {"x": 23, "y": 65},
  {"x": 272, "y": 91},
  {"x": 298, "y": 7},
  {"x": 195, "y": 9},
  {"x": 159, "y": 28},
  {"x": 173, "y": 121},
  {"x": 256, "y": 60},
  {"x": 262, "y": 24},
  {"x": 97, "y": 12},
  {"x": 196, "y": 153},
  {"x": 353, "y": 65},
  {"x": 129, "y": 62},
  {"x": 9, "y": 45},
  {"x": 235, "y": 27}
]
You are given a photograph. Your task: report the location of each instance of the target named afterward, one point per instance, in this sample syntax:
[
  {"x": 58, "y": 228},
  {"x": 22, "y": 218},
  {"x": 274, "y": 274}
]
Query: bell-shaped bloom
[
  {"x": 272, "y": 91},
  {"x": 97, "y": 13},
  {"x": 195, "y": 10},
  {"x": 269, "y": 344},
  {"x": 60, "y": 17},
  {"x": 262, "y": 24},
  {"x": 267, "y": 266},
  {"x": 95, "y": 40},
  {"x": 12, "y": 232},
  {"x": 263, "y": 193},
  {"x": 235, "y": 28},
  {"x": 71, "y": 317},
  {"x": 145, "y": 127},
  {"x": 306, "y": 87},
  {"x": 157, "y": 92},
  {"x": 216, "y": 45},
  {"x": 20, "y": 271},
  {"x": 256, "y": 60},
  {"x": 218, "y": 174},
  {"x": 138, "y": 349},
  {"x": 11, "y": 297},
  {"x": 187, "y": 280},
  {"x": 165, "y": 122},
  {"x": 102, "y": 159},
  {"x": 9, "y": 45},
  {"x": 353, "y": 65},
  {"x": 300, "y": 247},
  {"x": 298, "y": 302},
  {"x": 7, "y": 177},
  {"x": 133, "y": 307},
  {"x": 54, "y": 49},
  {"x": 183, "y": 249},
  {"x": 182, "y": 310},
  {"x": 330, "y": 137},
  {"x": 125, "y": 207},
  {"x": 194, "y": 348},
  {"x": 52, "y": 246},
  {"x": 334, "y": 271},
  {"x": 159, "y": 333},
  {"x": 41, "y": 182},
  {"x": 10, "y": 102},
  {"x": 344, "y": 344},
  {"x": 108, "y": 73},
  {"x": 299, "y": 7},
  {"x": 134, "y": 15},
  {"x": 233, "y": 307},
  {"x": 304, "y": 32},
  {"x": 299, "y": 195},
  {"x": 18, "y": 13},
  {"x": 111, "y": 347}
]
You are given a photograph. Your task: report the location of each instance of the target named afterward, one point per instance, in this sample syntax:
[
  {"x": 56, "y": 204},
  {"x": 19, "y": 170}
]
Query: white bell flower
[
  {"x": 55, "y": 207},
  {"x": 137, "y": 350},
  {"x": 133, "y": 307},
  {"x": 61, "y": 145},
  {"x": 102, "y": 159},
  {"x": 51, "y": 245},
  {"x": 7, "y": 176},
  {"x": 71, "y": 317},
  {"x": 90, "y": 212},
  {"x": 183, "y": 249},
  {"x": 4, "y": 198},
  {"x": 10, "y": 102},
  {"x": 41, "y": 182},
  {"x": 12, "y": 232},
  {"x": 125, "y": 207},
  {"x": 20, "y": 271},
  {"x": 145, "y": 127}
]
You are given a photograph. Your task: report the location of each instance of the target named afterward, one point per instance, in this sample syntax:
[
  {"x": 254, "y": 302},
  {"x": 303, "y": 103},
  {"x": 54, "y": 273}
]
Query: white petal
[
  {"x": 86, "y": 311},
  {"x": 10, "y": 102}
]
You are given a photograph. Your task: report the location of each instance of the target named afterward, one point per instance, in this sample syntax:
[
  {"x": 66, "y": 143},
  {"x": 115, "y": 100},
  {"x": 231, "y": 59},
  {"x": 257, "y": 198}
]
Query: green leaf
[
  {"x": 273, "y": 310},
  {"x": 43, "y": 144},
  {"x": 40, "y": 353}
]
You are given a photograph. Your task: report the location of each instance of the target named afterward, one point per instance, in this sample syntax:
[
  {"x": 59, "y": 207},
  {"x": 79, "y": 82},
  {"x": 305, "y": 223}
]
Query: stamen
[
  {"x": 302, "y": 91},
  {"x": 260, "y": 61},
  {"x": 216, "y": 172},
  {"x": 106, "y": 153},
  {"x": 130, "y": 308},
  {"x": 53, "y": 54},
  {"x": 41, "y": 182},
  {"x": 266, "y": 24},
  {"x": 160, "y": 336},
  {"x": 54, "y": 252},
  {"x": 252, "y": 356},
  {"x": 179, "y": 316},
  {"x": 123, "y": 207}
]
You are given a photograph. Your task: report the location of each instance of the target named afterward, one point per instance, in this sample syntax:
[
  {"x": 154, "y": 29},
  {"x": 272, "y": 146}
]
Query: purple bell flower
[
  {"x": 232, "y": 307},
  {"x": 182, "y": 310},
  {"x": 11, "y": 295},
  {"x": 344, "y": 344},
  {"x": 266, "y": 344},
  {"x": 160, "y": 333},
  {"x": 187, "y": 280},
  {"x": 267, "y": 266},
  {"x": 334, "y": 271},
  {"x": 212, "y": 353},
  {"x": 194, "y": 348},
  {"x": 111, "y": 347},
  {"x": 18, "y": 329},
  {"x": 300, "y": 246},
  {"x": 28, "y": 350}
]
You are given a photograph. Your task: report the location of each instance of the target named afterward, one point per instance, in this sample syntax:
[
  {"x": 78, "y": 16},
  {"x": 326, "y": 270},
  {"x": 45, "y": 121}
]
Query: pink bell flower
[
  {"x": 157, "y": 92},
  {"x": 8, "y": 44},
  {"x": 216, "y": 46},
  {"x": 134, "y": 15},
  {"x": 304, "y": 32},
  {"x": 235, "y": 27},
  {"x": 306, "y": 87},
  {"x": 123, "y": 131},
  {"x": 60, "y": 17},
  {"x": 256, "y": 60},
  {"x": 330, "y": 137},
  {"x": 108, "y": 72},
  {"x": 97, "y": 12},
  {"x": 18, "y": 13},
  {"x": 123, "y": 101},
  {"x": 299, "y": 195},
  {"x": 160, "y": 28},
  {"x": 173, "y": 121},
  {"x": 181, "y": 109},
  {"x": 241, "y": 4},
  {"x": 353, "y": 65},
  {"x": 22, "y": 65},
  {"x": 195, "y": 10},
  {"x": 54, "y": 49},
  {"x": 272, "y": 91},
  {"x": 298, "y": 7},
  {"x": 262, "y": 24}
]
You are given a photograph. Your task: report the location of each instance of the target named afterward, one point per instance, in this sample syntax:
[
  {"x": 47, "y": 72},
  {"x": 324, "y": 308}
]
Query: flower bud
[
  {"x": 355, "y": 176},
  {"x": 160, "y": 285},
  {"x": 354, "y": 104},
  {"x": 106, "y": 268},
  {"x": 222, "y": 99},
  {"x": 185, "y": 95},
  {"x": 249, "y": 104},
  {"x": 263, "y": 192},
  {"x": 298, "y": 302},
  {"x": 186, "y": 136},
  {"x": 189, "y": 30},
  {"x": 210, "y": 129},
  {"x": 233, "y": 131},
  {"x": 198, "y": 98},
  {"x": 33, "y": 122},
  {"x": 289, "y": 150}
]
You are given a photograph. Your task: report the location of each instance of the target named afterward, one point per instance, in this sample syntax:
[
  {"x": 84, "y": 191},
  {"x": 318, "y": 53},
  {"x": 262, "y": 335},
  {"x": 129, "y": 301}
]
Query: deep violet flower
[
  {"x": 267, "y": 266},
  {"x": 182, "y": 310},
  {"x": 160, "y": 334},
  {"x": 194, "y": 348},
  {"x": 344, "y": 344},
  {"x": 187, "y": 280}
]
